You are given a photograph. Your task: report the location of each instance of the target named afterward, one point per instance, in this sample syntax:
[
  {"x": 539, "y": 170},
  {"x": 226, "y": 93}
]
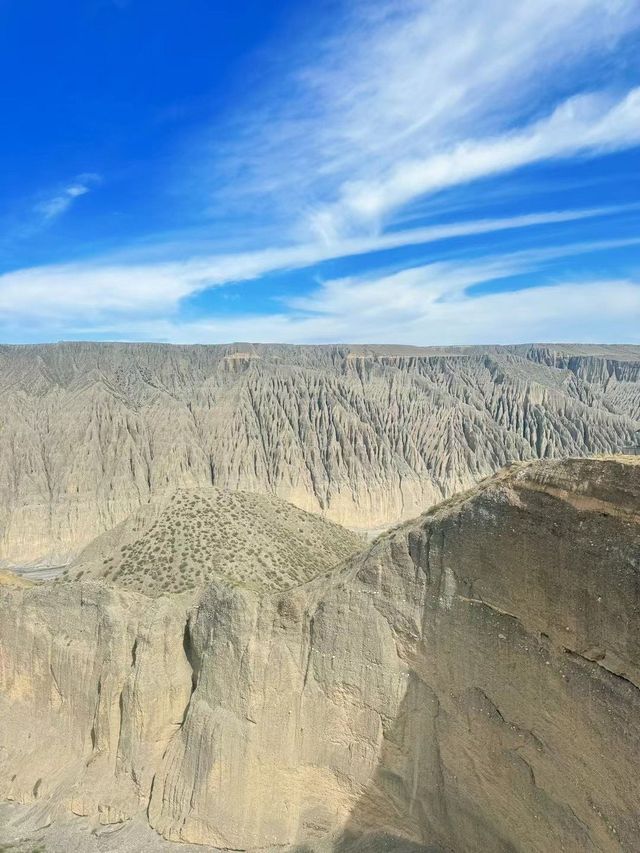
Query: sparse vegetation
[{"x": 244, "y": 539}]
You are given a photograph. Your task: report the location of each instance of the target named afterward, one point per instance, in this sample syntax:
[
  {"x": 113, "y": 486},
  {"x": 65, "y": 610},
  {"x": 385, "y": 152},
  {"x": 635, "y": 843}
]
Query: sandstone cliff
[
  {"x": 366, "y": 436},
  {"x": 469, "y": 682}
]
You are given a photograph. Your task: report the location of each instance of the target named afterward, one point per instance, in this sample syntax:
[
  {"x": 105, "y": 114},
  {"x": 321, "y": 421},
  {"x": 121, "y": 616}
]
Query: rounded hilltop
[{"x": 185, "y": 539}]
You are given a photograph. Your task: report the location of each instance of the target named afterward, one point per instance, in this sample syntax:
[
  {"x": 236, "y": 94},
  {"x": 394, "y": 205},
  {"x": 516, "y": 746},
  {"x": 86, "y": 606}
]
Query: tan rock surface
[
  {"x": 12, "y": 579},
  {"x": 366, "y": 436},
  {"x": 469, "y": 682}
]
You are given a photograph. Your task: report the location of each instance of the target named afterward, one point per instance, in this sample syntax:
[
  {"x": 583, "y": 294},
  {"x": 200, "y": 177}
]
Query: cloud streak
[
  {"x": 588, "y": 311},
  {"x": 52, "y": 208},
  {"x": 587, "y": 125},
  {"x": 394, "y": 102},
  {"x": 407, "y": 98},
  {"x": 98, "y": 290},
  {"x": 436, "y": 303}
]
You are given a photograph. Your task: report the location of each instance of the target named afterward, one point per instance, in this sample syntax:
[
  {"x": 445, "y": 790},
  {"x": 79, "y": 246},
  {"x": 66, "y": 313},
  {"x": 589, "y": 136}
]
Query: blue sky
[{"x": 434, "y": 172}]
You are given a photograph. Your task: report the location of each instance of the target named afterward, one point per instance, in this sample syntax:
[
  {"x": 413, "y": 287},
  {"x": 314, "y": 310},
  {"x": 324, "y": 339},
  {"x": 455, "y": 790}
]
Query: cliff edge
[{"x": 471, "y": 681}]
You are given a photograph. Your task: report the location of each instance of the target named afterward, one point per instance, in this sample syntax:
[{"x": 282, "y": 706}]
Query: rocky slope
[
  {"x": 186, "y": 539},
  {"x": 471, "y": 681},
  {"x": 366, "y": 436}
]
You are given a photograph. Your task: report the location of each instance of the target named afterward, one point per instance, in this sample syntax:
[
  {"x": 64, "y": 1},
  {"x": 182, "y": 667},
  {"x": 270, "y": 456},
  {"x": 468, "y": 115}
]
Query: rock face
[
  {"x": 366, "y": 436},
  {"x": 469, "y": 682}
]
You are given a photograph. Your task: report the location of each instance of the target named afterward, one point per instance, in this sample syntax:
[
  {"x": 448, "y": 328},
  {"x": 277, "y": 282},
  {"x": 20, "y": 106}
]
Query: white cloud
[
  {"x": 58, "y": 204},
  {"x": 61, "y": 294},
  {"x": 588, "y": 311},
  {"x": 407, "y": 97},
  {"x": 402, "y": 99},
  {"x": 583, "y": 125},
  {"x": 436, "y": 303}
]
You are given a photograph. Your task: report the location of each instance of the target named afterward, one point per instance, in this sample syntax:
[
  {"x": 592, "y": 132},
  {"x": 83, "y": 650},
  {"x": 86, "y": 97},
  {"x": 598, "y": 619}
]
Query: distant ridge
[{"x": 365, "y": 435}]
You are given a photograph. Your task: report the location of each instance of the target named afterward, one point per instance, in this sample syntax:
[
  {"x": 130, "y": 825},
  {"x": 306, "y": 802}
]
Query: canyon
[
  {"x": 366, "y": 436},
  {"x": 468, "y": 681}
]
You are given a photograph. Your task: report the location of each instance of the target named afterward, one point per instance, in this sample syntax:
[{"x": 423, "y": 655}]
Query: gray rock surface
[
  {"x": 366, "y": 436},
  {"x": 469, "y": 682}
]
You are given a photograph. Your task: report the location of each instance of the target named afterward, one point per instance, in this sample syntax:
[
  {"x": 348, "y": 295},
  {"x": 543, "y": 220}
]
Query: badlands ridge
[
  {"x": 470, "y": 681},
  {"x": 364, "y": 436},
  {"x": 230, "y": 659}
]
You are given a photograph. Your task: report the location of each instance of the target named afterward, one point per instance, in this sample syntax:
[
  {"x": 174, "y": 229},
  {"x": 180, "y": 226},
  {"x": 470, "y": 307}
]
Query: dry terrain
[
  {"x": 468, "y": 682},
  {"x": 193, "y": 536},
  {"x": 365, "y": 436}
]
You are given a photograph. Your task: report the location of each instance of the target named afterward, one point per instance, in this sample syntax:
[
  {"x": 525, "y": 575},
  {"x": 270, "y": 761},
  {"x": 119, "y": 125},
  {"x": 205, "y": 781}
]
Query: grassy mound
[{"x": 192, "y": 536}]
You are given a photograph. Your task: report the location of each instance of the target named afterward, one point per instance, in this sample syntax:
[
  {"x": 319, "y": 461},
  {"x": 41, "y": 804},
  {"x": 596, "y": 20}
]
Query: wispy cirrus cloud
[
  {"x": 403, "y": 99},
  {"x": 103, "y": 291},
  {"x": 54, "y": 206},
  {"x": 586, "y": 125},
  {"x": 389, "y": 104}
]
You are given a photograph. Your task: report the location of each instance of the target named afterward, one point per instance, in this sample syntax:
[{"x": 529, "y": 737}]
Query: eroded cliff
[
  {"x": 366, "y": 436},
  {"x": 470, "y": 681}
]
